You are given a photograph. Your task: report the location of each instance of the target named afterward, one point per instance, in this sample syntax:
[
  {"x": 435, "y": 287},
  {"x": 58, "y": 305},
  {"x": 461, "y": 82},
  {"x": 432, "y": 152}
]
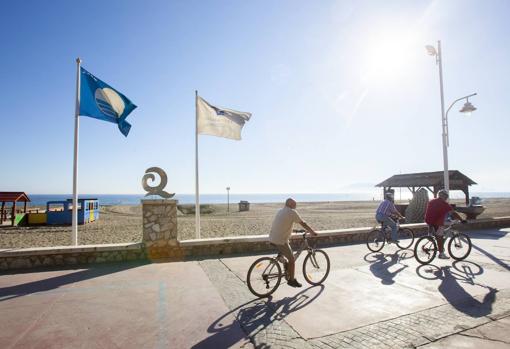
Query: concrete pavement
[{"x": 370, "y": 300}]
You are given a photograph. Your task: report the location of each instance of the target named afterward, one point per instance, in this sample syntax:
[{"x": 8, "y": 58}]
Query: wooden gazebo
[
  {"x": 433, "y": 181},
  {"x": 12, "y": 197}
]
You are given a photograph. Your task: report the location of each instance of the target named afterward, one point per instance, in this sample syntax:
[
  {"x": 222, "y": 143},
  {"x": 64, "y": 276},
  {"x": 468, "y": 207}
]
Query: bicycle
[
  {"x": 459, "y": 245},
  {"x": 265, "y": 274},
  {"x": 379, "y": 236}
]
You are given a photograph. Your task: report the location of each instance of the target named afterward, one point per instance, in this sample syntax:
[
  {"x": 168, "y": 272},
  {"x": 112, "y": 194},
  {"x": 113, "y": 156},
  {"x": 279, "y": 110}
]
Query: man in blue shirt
[{"x": 386, "y": 212}]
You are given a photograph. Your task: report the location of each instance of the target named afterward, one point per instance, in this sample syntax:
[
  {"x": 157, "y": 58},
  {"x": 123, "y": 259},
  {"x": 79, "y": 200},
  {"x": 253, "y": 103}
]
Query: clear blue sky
[{"x": 342, "y": 93}]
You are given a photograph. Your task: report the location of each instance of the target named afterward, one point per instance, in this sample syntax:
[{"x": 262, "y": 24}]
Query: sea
[{"x": 134, "y": 199}]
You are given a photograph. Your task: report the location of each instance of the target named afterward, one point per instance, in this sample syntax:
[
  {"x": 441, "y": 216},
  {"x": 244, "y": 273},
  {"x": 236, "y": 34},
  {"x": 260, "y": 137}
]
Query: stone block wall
[
  {"x": 160, "y": 229},
  {"x": 70, "y": 256}
]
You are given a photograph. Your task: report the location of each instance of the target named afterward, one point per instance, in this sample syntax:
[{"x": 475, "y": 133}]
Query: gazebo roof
[
  {"x": 13, "y": 196},
  {"x": 428, "y": 179}
]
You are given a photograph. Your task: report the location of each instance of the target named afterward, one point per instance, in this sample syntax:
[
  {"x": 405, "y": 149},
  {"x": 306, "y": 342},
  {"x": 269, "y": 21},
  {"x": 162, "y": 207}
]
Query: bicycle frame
[
  {"x": 303, "y": 246},
  {"x": 448, "y": 232}
]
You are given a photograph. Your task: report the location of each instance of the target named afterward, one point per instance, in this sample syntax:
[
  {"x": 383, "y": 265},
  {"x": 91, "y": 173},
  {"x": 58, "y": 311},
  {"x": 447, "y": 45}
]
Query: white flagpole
[
  {"x": 197, "y": 192},
  {"x": 74, "y": 234}
]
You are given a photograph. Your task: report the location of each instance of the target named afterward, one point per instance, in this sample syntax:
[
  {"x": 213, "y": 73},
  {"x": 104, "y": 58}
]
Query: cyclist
[
  {"x": 386, "y": 213},
  {"x": 435, "y": 215},
  {"x": 281, "y": 230}
]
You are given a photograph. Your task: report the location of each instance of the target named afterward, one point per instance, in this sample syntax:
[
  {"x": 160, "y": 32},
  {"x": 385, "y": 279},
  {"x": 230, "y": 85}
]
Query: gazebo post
[
  {"x": 466, "y": 192},
  {"x": 2, "y": 213},
  {"x": 25, "y": 208},
  {"x": 13, "y": 214}
]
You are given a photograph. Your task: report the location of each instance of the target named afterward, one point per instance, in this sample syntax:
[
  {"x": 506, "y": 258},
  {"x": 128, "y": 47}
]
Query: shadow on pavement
[
  {"x": 380, "y": 264},
  {"x": 55, "y": 282},
  {"x": 254, "y": 317},
  {"x": 452, "y": 290},
  {"x": 488, "y": 234}
]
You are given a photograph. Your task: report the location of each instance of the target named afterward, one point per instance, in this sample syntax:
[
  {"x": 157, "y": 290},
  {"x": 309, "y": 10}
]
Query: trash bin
[{"x": 244, "y": 206}]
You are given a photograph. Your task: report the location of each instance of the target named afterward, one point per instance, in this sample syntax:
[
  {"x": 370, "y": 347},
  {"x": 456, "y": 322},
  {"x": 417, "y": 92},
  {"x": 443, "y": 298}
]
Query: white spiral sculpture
[{"x": 157, "y": 190}]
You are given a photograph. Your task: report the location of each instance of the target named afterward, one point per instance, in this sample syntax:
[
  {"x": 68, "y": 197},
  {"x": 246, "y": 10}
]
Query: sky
[{"x": 342, "y": 93}]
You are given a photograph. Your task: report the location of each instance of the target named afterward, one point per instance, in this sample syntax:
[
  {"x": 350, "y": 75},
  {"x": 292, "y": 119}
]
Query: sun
[{"x": 389, "y": 56}]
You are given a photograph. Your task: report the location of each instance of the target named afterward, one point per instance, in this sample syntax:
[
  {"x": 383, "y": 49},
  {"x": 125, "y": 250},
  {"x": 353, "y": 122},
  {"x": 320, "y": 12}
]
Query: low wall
[
  {"x": 259, "y": 243},
  {"x": 161, "y": 244},
  {"x": 69, "y": 255}
]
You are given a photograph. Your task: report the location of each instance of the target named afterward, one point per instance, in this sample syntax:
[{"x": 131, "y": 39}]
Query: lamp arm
[
  {"x": 455, "y": 101},
  {"x": 446, "y": 116}
]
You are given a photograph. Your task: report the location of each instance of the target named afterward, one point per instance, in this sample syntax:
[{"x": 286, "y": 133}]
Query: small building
[
  {"x": 12, "y": 197},
  {"x": 60, "y": 212},
  {"x": 244, "y": 206}
]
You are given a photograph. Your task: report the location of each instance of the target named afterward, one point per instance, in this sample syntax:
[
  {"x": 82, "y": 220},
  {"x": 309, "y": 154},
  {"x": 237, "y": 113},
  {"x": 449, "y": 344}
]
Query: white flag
[{"x": 219, "y": 122}]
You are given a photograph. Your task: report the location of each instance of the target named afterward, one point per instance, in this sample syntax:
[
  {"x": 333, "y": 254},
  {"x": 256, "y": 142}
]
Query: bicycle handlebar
[{"x": 301, "y": 231}]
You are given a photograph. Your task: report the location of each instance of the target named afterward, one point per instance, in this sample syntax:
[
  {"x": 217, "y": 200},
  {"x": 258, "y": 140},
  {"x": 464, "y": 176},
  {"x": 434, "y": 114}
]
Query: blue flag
[{"x": 101, "y": 101}]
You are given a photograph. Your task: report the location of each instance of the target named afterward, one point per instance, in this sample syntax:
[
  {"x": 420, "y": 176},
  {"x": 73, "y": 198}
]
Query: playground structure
[
  {"x": 56, "y": 213},
  {"x": 60, "y": 212},
  {"x": 12, "y": 197}
]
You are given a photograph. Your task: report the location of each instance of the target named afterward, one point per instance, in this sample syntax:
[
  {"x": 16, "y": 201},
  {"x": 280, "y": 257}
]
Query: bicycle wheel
[
  {"x": 459, "y": 246},
  {"x": 375, "y": 240},
  {"x": 264, "y": 276},
  {"x": 425, "y": 249},
  {"x": 405, "y": 238},
  {"x": 316, "y": 267}
]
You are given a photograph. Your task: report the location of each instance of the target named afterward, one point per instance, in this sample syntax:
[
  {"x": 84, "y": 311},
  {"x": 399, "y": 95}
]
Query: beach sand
[{"x": 124, "y": 223}]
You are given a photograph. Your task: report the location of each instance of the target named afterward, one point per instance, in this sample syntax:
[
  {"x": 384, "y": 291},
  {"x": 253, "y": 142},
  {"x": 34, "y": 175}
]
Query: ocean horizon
[{"x": 134, "y": 199}]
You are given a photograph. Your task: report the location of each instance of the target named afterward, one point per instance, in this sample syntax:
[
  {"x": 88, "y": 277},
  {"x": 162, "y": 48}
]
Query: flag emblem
[{"x": 109, "y": 102}]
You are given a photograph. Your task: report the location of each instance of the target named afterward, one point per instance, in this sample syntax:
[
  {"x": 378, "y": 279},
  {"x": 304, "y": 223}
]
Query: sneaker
[
  {"x": 294, "y": 283},
  {"x": 390, "y": 241},
  {"x": 443, "y": 256}
]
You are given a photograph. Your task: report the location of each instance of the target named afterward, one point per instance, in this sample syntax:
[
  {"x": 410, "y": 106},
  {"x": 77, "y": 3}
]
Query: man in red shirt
[{"x": 437, "y": 209}]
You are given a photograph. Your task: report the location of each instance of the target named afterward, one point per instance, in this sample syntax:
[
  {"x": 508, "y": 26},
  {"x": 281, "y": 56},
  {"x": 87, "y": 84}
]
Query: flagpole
[
  {"x": 74, "y": 233},
  {"x": 197, "y": 195}
]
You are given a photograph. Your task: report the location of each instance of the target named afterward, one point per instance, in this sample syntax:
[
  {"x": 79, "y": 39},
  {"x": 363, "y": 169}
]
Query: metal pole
[
  {"x": 444, "y": 121},
  {"x": 228, "y": 199},
  {"x": 197, "y": 200},
  {"x": 74, "y": 233}
]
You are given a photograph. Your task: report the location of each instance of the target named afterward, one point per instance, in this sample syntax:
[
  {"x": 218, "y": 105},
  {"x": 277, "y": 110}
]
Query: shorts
[
  {"x": 285, "y": 250},
  {"x": 437, "y": 230}
]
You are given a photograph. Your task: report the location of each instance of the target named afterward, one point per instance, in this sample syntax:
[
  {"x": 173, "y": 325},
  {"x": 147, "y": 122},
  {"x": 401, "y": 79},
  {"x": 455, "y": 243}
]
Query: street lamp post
[
  {"x": 228, "y": 199},
  {"x": 467, "y": 108}
]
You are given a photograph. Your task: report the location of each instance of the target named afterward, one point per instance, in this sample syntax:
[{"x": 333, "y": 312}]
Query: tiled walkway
[{"x": 383, "y": 300}]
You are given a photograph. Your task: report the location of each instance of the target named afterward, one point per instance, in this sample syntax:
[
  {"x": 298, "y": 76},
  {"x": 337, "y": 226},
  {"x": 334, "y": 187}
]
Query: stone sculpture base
[{"x": 160, "y": 229}]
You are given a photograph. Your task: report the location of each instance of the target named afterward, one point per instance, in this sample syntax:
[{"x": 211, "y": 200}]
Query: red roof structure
[{"x": 14, "y": 197}]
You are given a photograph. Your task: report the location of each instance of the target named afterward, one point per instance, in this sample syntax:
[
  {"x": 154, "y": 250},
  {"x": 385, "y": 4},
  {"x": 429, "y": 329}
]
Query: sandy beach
[{"x": 124, "y": 223}]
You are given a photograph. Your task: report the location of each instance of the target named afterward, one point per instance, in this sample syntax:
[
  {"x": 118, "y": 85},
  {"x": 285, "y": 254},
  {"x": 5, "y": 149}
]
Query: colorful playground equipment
[
  {"x": 57, "y": 212},
  {"x": 60, "y": 212},
  {"x": 12, "y": 197}
]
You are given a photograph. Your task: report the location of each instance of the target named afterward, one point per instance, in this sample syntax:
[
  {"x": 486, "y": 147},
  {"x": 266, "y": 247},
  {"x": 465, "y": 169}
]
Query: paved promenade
[{"x": 370, "y": 300}]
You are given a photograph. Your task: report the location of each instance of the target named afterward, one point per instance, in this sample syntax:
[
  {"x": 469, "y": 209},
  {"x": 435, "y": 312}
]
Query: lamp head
[
  {"x": 431, "y": 50},
  {"x": 468, "y": 108}
]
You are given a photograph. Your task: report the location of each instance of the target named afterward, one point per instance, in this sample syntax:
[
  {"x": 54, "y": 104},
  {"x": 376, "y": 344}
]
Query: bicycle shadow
[
  {"x": 380, "y": 264},
  {"x": 452, "y": 290},
  {"x": 254, "y": 317}
]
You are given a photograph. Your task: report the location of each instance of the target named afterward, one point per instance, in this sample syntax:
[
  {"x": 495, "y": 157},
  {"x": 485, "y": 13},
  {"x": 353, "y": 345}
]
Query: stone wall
[
  {"x": 69, "y": 255},
  {"x": 258, "y": 243}
]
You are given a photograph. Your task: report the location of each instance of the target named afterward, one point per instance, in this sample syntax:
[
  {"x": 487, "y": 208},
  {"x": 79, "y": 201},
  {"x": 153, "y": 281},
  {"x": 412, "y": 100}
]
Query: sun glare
[{"x": 388, "y": 57}]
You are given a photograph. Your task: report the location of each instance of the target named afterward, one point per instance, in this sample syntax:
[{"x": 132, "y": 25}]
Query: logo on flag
[
  {"x": 220, "y": 122},
  {"x": 101, "y": 101}
]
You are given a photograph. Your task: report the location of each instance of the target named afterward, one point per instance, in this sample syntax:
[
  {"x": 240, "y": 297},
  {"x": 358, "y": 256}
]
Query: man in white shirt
[{"x": 281, "y": 230}]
